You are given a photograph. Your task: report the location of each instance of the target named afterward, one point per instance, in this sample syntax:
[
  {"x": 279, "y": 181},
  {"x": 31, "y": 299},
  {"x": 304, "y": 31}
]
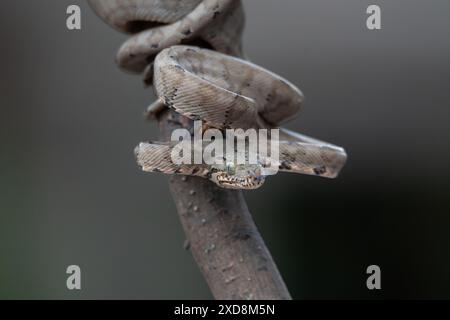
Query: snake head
[{"x": 242, "y": 176}]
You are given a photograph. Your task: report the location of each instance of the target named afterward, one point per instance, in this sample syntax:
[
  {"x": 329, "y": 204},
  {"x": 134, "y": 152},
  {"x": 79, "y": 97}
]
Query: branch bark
[{"x": 222, "y": 235}]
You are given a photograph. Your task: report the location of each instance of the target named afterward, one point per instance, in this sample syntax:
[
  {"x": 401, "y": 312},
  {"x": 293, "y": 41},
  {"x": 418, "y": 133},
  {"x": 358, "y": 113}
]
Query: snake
[{"x": 190, "y": 51}]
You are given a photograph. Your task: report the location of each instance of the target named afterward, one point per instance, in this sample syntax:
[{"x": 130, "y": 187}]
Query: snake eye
[{"x": 230, "y": 168}]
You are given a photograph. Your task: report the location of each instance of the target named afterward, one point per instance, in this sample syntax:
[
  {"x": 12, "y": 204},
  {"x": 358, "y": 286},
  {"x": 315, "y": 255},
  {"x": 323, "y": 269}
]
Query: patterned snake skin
[{"x": 191, "y": 51}]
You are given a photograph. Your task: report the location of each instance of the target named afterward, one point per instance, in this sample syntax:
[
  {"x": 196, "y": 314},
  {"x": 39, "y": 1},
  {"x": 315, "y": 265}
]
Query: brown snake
[{"x": 173, "y": 43}]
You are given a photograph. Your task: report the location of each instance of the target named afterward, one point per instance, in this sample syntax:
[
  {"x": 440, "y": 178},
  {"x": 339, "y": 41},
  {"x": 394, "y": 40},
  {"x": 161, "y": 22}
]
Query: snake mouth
[{"x": 225, "y": 180}]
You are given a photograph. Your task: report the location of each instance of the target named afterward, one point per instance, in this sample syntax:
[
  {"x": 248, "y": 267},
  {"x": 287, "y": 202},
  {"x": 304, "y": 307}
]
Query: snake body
[{"x": 212, "y": 83}]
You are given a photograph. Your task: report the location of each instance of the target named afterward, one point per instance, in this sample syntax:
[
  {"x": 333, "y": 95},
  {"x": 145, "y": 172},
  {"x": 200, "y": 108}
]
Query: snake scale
[{"x": 190, "y": 50}]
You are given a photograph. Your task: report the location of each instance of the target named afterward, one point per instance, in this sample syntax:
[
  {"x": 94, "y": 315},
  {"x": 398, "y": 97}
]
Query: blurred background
[{"x": 71, "y": 193}]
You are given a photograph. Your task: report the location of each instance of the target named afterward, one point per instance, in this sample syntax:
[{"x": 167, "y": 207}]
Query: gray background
[{"x": 70, "y": 191}]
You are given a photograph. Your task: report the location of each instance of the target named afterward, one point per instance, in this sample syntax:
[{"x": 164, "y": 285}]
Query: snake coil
[{"x": 190, "y": 50}]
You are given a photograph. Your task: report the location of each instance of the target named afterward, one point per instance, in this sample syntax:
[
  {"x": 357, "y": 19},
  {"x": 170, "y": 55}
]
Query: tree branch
[{"x": 222, "y": 235}]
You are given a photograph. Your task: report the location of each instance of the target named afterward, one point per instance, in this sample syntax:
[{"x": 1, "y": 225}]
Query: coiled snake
[{"x": 173, "y": 43}]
